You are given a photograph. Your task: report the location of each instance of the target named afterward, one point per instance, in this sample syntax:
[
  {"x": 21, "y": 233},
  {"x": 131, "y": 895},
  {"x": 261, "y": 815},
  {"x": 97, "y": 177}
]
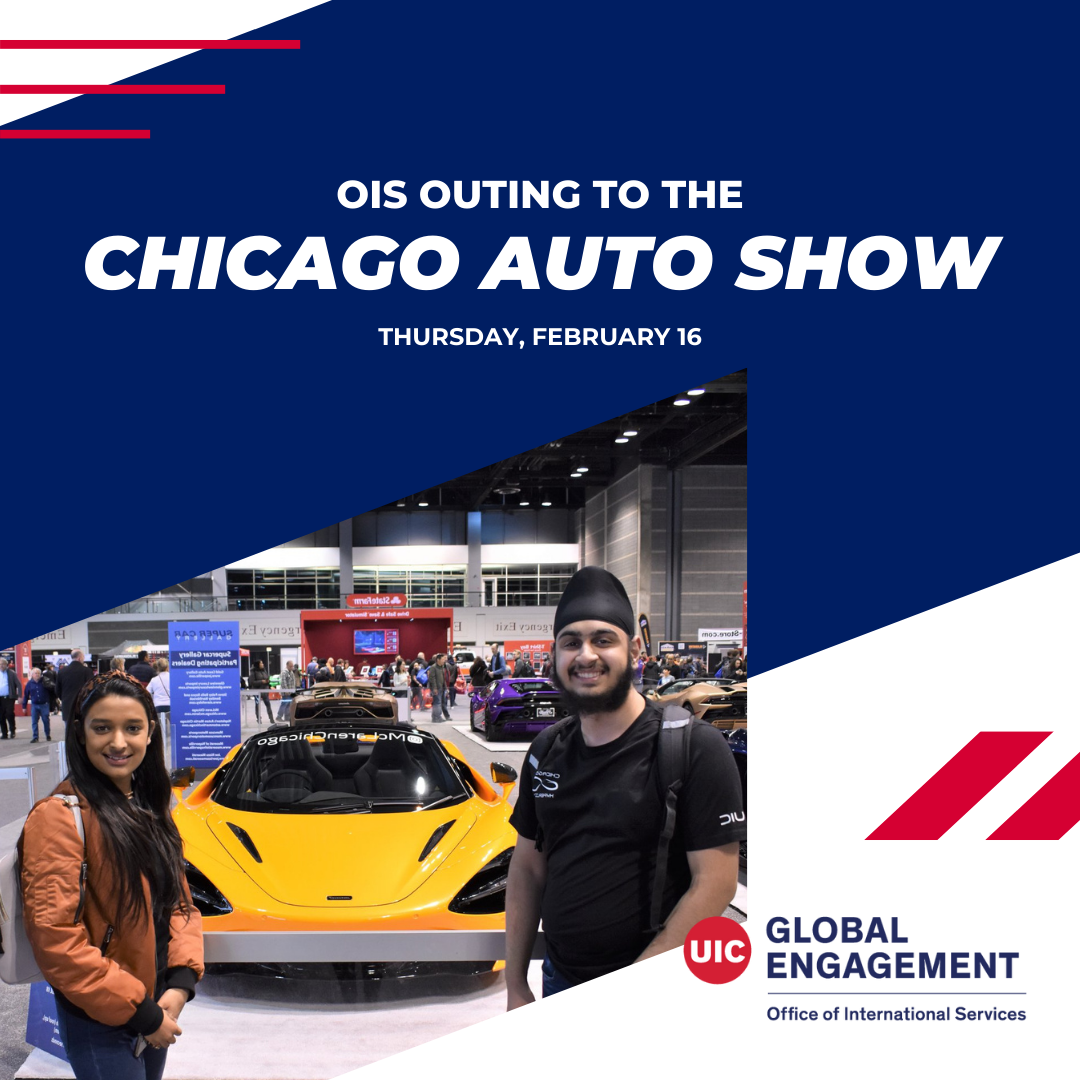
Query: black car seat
[
  {"x": 297, "y": 770},
  {"x": 390, "y": 772},
  {"x": 342, "y": 757}
]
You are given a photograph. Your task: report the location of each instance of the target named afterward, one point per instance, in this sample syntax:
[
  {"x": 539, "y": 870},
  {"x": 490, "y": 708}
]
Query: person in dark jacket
[
  {"x": 40, "y": 699},
  {"x": 436, "y": 674},
  {"x": 259, "y": 679},
  {"x": 523, "y": 669},
  {"x": 339, "y": 671},
  {"x": 142, "y": 670},
  {"x": 650, "y": 674},
  {"x": 48, "y": 677},
  {"x": 72, "y": 678},
  {"x": 451, "y": 679},
  {"x": 478, "y": 673},
  {"x": 10, "y": 689}
]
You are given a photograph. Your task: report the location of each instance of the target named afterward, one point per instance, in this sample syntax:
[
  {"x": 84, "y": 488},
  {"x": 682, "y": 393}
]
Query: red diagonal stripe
[
  {"x": 1050, "y": 813},
  {"x": 109, "y": 88},
  {"x": 127, "y": 43},
  {"x": 960, "y": 783},
  {"x": 60, "y": 133}
]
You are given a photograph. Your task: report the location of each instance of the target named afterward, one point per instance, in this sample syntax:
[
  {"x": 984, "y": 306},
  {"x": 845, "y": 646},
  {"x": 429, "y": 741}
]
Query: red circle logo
[{"x": 717, "y": 950}]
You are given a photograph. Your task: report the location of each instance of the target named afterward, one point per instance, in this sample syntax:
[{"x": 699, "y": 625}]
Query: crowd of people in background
[
  {"x": 48, "y": 691},
  {"x": 653, "y": 674}
]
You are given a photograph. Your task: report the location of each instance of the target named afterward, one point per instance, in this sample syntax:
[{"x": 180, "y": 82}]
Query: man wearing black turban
[{"x": 589, "y": 811}]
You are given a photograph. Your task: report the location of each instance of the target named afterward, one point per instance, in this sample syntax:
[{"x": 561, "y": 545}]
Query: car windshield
[
  {"x": 679, "y": 685},
  {"x": 339, "y": 769},
  {"x": 676, "y": 687}
]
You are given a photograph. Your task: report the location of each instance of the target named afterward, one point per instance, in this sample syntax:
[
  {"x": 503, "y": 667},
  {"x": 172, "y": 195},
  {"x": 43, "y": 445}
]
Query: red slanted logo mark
[
  {"x": 1050, "y": 813},
  {"x": 970, "y": 775}
]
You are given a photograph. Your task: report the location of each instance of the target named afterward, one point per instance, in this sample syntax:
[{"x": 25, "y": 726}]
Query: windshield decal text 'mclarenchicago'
[{"x": 309, "y": 736}]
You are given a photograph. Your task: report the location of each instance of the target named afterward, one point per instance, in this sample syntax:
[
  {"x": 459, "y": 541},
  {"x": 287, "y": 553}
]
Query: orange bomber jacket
[{"x": 107, "y": 971}]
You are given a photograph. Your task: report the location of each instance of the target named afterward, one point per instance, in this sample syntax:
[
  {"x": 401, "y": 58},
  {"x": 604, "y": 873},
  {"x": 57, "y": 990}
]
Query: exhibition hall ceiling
[{"x": 706, "y": 426}]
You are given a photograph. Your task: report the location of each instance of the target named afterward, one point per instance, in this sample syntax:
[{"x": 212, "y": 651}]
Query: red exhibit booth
[{"x": 408, "y": 631}]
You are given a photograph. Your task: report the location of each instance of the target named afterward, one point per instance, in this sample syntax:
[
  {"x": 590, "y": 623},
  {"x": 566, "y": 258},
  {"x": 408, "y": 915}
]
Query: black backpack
[{"x": 673, "y": 764}]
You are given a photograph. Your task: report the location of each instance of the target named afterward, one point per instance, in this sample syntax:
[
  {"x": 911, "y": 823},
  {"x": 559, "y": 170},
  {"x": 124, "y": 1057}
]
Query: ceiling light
[
  {"x": 581, "y": 468},
  {"x": 524, "y": 502},
  {"x": 681, "y": 401},
  {"x": 421, "y": 504},
  {"x": 630, "y": 433},
  {"x": 545, "y": 504},
  {"x": 401, "y": 504},
  {"x": 622, "y": 440},
  {"x": 695, "y": 392}
]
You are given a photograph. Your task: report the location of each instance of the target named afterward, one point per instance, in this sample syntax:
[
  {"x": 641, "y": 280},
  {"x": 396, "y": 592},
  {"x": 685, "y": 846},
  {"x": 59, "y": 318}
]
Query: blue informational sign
[
  {"x": 204, "y": 667},
  {"x": 42, "y": 1029}
]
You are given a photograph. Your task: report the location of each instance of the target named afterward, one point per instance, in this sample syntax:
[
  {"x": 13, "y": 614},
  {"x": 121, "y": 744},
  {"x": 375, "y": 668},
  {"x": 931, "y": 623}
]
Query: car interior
[{"x": 316, "y": 770}]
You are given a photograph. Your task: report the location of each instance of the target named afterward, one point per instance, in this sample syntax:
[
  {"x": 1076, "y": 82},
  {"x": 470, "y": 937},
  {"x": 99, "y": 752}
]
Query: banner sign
[
  {"x": 204, "y": 666},
  {"x": 537, "y": 651},
  {"x": 366, "y": 600},
  {"x": 731, "y": 635},
  {"x": 42, "y": 1029},
  {"x": 670, "y": 649},
  {"x": 384, "y": 613}
]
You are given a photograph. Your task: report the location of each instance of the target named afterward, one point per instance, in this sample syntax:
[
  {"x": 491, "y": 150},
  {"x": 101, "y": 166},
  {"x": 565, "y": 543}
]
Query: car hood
[{"x": 363, "y": 860}]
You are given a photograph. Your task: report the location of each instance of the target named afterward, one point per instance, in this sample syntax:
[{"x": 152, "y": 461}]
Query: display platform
[
  {"x": 252, "y": 1028},
  {"x": 499, "y": 744}
]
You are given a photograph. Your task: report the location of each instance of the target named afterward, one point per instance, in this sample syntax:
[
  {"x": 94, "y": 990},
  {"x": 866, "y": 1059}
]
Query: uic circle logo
[{"x": 717, "y": 950}]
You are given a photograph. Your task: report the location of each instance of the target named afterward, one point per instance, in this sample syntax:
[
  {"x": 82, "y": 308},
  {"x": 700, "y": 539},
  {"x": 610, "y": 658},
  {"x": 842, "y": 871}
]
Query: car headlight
[
  {"x": 485, "y": 892},
  {"x": 206, "y": 896}
]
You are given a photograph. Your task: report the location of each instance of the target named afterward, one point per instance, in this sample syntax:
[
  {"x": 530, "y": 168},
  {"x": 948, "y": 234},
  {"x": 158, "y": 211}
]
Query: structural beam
[{"x": 701, "y": 440}]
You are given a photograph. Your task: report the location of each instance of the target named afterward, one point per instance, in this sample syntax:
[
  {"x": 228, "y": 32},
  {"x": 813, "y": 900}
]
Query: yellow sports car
[{"x": 343, "y": 820}]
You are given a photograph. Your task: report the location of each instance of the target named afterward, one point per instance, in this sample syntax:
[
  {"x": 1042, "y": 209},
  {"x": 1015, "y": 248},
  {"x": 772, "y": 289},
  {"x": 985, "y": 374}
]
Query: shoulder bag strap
[{"x": 672, "y": 765}]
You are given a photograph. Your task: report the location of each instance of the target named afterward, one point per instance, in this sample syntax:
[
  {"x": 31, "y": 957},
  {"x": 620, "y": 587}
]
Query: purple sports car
[{"x": 511, "y": 707}]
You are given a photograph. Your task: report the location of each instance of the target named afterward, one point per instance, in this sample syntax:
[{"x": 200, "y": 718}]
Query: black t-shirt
[{"x": 597, "y": 811}]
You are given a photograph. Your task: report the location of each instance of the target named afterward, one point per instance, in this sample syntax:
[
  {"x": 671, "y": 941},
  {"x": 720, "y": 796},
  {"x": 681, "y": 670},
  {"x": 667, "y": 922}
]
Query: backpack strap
[
  {"x": 672, "y": 766},
  {"x": 538, "y": 752},
  {"x": 72, "y": 803}
]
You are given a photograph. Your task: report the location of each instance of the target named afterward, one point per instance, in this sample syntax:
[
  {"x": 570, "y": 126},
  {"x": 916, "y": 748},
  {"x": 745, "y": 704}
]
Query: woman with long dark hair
[{"x": 112, "y": 924}]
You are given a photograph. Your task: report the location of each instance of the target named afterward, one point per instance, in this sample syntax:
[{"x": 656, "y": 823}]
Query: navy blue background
[{"x": 907, "y": 447}]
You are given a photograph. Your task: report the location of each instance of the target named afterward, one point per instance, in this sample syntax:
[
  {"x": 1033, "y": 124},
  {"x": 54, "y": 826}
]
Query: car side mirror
[
  {"x": 503, "y": 774},
  {"x": 506, "y": 775},
  {"x": 182, "y": 778}
]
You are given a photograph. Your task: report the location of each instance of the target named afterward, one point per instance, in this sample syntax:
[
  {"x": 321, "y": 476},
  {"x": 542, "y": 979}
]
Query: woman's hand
[
  {"x": 165, "y": 1035},
  {"x": 173, "y": 1002}
]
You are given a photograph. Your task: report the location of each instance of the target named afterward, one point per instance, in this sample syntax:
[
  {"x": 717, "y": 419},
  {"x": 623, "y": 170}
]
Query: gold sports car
[
  {"x": 347, "y": 819},
  {"x": 720, "y": 701}
]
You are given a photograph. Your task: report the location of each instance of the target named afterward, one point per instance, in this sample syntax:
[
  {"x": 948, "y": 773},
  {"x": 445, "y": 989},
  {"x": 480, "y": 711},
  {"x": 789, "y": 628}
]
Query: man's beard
[{"x": 590, "y": 704}]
